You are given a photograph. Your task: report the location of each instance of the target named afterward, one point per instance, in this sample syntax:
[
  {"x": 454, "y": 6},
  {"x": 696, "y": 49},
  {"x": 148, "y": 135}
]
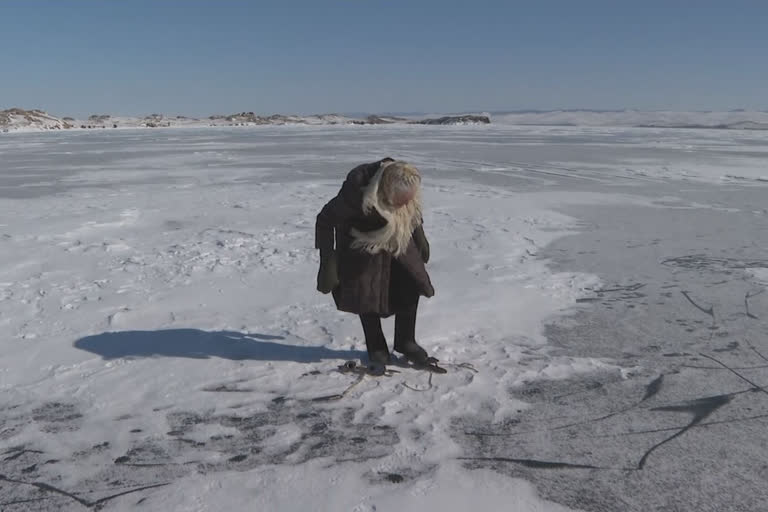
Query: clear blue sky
[{"x": 221, "y": 56}]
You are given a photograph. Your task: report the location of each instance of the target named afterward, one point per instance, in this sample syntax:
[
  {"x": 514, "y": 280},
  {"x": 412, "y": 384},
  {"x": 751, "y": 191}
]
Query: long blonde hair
[{"x": 391, "y": 180}]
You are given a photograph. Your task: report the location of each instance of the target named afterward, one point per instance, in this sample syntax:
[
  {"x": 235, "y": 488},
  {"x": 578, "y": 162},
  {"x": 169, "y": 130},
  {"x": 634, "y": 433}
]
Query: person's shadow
[{"x": 197, "y": 344}]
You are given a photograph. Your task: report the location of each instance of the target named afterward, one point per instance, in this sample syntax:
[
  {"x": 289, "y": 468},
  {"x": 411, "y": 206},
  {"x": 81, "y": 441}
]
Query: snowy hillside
[
  {"x": 19, "y": 119},
  {"x": 37, "y": 120}
]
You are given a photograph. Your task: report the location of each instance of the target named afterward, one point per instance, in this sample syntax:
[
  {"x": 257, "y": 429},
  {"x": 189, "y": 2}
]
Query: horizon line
[{"x": 409, "y": 113}]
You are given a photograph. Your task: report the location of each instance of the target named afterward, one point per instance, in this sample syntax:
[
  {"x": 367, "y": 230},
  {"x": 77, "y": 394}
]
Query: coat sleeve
[{"x": 346, "y": 204}]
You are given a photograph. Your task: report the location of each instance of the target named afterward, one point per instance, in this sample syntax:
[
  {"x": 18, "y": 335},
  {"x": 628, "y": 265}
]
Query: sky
[{"x": 195, "y": 57}]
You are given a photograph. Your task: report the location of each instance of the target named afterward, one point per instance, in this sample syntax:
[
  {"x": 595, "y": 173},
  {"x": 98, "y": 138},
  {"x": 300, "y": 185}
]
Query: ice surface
[{"x": 160, "y": 323}]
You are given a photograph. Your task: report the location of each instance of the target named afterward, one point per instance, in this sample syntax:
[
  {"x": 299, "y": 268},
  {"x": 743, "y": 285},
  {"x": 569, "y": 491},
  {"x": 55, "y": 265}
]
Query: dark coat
[{"x": 368, "y": 283}]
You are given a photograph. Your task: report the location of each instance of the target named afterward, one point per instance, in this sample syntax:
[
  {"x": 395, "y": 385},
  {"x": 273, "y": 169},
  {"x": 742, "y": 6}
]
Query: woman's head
[
  {"x": 400, "y": 182},
  {"x": 395, "y": 193}
]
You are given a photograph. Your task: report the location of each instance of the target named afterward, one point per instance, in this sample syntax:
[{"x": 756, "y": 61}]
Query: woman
[{"x": 377, "y": 266}]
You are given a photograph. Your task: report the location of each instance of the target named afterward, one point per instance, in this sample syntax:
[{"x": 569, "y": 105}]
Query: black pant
[{"x": 405, "y": 330}]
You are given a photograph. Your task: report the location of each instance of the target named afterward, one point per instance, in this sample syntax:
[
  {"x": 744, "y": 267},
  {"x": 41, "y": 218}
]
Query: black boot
[
  {"x": 379, "y": 358},
  {"x": 405, "y": 337},
  {"x": 413, "y": 352},
  {"x": 375, "y": 342}
]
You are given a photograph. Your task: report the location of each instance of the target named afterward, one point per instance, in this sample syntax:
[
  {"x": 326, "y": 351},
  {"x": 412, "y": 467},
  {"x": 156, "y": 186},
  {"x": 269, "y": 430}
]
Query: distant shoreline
[
  {"x": 17, "y": 119},
  {"x": 20, "y": 120}
]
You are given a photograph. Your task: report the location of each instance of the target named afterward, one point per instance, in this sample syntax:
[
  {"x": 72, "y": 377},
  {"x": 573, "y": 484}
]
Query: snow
[
  {"x": 22, "y": 121},
  {"x": 323, "y": 488},
  {"x": 755, "y": 120},
  {"x": 630, "y": 154},
  {"x": 161, "y": 324}
]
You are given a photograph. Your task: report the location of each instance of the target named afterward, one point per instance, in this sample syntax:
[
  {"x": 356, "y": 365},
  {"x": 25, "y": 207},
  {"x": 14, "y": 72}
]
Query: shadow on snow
[{"x": 197, "y": 344}]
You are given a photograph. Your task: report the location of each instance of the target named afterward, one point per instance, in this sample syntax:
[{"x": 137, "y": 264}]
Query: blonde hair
[
  {"x": 391, "y": 180},
  {"x": 398, "y": 178}
]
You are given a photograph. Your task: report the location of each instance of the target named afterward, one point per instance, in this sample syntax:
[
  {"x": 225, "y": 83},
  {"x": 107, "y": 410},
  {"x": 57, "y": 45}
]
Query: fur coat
[{"x": 380, "y": 282}]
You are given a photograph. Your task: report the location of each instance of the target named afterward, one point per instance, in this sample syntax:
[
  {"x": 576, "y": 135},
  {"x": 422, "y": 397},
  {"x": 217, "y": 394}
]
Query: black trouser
[{"x": 405, "y": 330}]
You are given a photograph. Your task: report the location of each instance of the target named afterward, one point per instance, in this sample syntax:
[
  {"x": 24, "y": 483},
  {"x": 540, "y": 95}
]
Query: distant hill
[
  {"x": 17, "y": 119},
  {"x": 20, "y": 119}
]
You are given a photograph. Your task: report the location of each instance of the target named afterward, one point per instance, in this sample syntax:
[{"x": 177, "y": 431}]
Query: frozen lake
[{"x": 600, "y": 308}]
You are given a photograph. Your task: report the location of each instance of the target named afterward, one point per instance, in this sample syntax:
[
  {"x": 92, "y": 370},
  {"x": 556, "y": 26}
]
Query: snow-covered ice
[
  {"x": 164, "y": 346},
  {"x": 735, "y": 119}
]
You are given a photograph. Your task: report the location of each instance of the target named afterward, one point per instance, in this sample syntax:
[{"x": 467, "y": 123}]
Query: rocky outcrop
[
  {"x": 456, "y": 120},
  {"x": 20, "y": 119},
  {"x": 374, "y": 119},
  {"x": 99, "y": 118},
  {"x": 249, "y": 118}
]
